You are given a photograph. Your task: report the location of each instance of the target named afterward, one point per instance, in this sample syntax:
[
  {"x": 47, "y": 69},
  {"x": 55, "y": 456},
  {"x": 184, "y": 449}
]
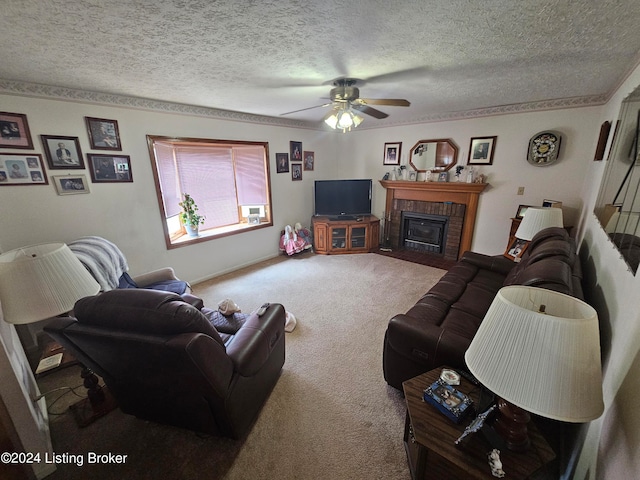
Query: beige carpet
[{"x": 331, "y": 415}]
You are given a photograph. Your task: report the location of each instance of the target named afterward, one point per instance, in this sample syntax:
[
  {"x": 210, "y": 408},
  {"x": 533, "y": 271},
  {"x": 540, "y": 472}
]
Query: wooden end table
[{"x": 429, "y": 440}]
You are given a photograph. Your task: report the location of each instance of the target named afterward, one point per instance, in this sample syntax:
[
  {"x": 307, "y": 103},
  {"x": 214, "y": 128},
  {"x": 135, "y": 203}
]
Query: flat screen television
[{"x": 343, "y": 198}]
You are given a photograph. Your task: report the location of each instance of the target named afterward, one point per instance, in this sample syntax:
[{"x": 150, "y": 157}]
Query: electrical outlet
[{"x": 520, "y": 190}]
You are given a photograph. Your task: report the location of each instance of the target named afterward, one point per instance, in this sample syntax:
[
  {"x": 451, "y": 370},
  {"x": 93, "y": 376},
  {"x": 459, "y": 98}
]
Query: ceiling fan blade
[
  {"x": 303, "y": 109},
  {"x": 392, "y": 102},
  {"x": 399, "y": 76},
  {"x": 369, "y": 111}
]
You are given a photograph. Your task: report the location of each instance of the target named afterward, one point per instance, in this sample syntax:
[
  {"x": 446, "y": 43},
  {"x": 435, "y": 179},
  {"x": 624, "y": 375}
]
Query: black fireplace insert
[{"x": 424, "y": 232}]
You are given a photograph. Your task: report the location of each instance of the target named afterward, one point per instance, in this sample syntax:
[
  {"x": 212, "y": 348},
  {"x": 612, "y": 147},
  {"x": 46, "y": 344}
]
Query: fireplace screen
[{"x": 424, "y": 232}]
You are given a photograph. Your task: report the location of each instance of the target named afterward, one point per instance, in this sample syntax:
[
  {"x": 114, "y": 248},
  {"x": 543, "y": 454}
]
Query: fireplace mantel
[{"x": 456, "y": 192}]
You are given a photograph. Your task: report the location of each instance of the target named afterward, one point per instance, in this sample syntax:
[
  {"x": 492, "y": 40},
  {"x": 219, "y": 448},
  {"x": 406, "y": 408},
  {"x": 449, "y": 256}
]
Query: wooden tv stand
[{"x": 333, "y": 236}]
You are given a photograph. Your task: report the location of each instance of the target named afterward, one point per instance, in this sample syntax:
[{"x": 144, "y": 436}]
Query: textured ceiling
[{"x": 268, "y": 57}]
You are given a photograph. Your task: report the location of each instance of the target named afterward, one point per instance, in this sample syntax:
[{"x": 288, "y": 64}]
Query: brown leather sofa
[
  {"x": 163, "y": 360},
  {"x": 438, "y": 329}
]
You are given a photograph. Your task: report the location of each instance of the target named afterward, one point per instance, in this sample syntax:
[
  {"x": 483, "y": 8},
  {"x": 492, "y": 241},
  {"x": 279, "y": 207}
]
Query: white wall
[
  {"x": 128, "y": 213},
  {"x": 612, "y": 446},
  {"x": 561, "y": 181}
]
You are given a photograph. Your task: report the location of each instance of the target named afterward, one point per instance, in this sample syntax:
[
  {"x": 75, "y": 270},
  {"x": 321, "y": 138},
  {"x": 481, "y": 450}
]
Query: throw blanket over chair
[
  {"x": 108, "y": 265},
  {"x": 164, "y": 361}
]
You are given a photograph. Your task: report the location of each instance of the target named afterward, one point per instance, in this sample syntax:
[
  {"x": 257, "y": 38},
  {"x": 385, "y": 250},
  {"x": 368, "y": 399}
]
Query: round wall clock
[{"x": 544, "y": 148}]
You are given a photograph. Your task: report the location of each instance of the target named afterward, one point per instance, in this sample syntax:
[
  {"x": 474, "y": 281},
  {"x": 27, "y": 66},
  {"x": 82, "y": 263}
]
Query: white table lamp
[{"x": 539, "y": 351}]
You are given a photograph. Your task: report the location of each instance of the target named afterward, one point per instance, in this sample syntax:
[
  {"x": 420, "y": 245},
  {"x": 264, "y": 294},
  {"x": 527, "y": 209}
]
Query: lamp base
[
  {"x": 511, "y": 426},
  {"x": 98, "y": 403}
]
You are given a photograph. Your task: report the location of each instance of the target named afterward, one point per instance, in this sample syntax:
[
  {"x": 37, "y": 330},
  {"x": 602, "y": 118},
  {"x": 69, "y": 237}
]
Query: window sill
[{"x": 182, "y": 240}]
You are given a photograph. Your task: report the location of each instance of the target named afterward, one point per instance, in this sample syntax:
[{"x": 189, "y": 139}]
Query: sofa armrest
[
  {"x": 251, "y": 347},
  {"x": 427, "y": 343},
  {"x": 496, "y": 263},
  {"x": 160, "y": 275}
]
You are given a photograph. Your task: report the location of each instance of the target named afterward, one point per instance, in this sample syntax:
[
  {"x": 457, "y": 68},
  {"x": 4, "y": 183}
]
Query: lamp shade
[
  {"x": 546, "y": 362},
  {"x": 42, "y": 281},
  {"x": 536, "y": 219}
]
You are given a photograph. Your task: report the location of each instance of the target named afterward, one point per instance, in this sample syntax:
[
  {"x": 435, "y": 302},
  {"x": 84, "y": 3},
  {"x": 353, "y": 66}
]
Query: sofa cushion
[
  {"x": 430, "y": 309},
  {"x": 143, "y": 311}
]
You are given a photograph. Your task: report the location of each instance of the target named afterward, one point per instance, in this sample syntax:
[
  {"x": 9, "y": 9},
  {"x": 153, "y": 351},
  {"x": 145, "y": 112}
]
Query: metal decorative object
[
  {"x": 544, "y": 148},
  {"x": 476, "y": 424}
]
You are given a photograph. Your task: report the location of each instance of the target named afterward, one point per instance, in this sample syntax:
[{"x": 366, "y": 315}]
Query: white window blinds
[{"x": 218, "y": 177}]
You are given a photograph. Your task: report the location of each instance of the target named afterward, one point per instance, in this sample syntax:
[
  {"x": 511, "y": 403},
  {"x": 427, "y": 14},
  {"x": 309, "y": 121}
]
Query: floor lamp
[
  {"x": 539, "y": 352},
  {"x": 42, "y": 281}
]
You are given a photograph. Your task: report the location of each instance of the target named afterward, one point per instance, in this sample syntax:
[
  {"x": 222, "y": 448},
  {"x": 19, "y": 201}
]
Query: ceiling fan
[{"x": 345, "y": 97}]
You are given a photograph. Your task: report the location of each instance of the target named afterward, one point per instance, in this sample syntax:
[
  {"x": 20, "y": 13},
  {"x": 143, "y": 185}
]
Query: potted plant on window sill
[{"x": 189, "y": 216}]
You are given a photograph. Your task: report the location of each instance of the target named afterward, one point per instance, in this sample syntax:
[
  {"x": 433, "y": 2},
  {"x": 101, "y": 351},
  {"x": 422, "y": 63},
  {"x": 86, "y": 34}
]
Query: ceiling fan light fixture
[
  {"x": 332, "y": 120},
  {"x": 343, "y": 118}
]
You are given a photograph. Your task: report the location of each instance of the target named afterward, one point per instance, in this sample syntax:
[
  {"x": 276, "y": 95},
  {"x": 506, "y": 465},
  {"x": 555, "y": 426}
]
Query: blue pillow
[{"x": 174, "y": 286}]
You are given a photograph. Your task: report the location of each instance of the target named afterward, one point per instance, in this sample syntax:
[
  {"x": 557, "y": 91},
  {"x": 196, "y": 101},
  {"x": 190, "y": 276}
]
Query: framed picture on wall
[
  {"x": 392, "y": 153},
  {"x": 481, "y": 150},
  {"x": 14, "y": 131},
  {"x": 18, "y": 169},
  {"x": 309, "y": 160},
  {"x": 296, "y": 171},
  {"x": 296, "y": 151},
  {"x": 103, "y": 134},
  {"x": 109, "y": 168},
  {"x": 71, "y": 184},
  {"x": 63, "y": 153},
  {"x": 282, "y": 162}
]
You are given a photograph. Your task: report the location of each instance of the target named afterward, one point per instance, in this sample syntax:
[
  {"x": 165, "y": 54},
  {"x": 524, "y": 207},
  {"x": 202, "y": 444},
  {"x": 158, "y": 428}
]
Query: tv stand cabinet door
[{"x": 320, "y": 237}]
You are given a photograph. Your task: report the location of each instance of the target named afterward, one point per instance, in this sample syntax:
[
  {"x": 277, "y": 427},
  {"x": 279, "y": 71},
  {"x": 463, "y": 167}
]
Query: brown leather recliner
[{"x": 164, "y": 361}]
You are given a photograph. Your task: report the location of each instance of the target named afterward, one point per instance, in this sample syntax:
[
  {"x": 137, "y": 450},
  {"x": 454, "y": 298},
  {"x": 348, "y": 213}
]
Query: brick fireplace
[
  {"x": 456, "y": 201},
  {"x": 430, "y": 227}
]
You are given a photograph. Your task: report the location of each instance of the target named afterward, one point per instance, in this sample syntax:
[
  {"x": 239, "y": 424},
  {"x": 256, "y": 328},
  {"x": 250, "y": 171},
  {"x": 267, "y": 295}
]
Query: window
[{"x": 229, "y": 181}]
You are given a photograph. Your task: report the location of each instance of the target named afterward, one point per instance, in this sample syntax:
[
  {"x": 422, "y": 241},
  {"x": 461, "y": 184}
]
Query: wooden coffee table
[{"x": 429, "y": 440}]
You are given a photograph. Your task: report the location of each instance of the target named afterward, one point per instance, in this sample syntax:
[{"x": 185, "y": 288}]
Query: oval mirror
[{"x": 435, "y": 155}]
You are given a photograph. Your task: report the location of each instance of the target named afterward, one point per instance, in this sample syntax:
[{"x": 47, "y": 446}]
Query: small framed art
[
  {"x": 103, "y": 134},
  {"x": 296, "y": 151},
  {"x": 62, "y": 153},
  {"x": 70, "y": 184},
  {"x": 522, "y": 209},
  {"x": 481, "y": 150},
  {"x": 296, "y": 171},
  {"x": 551, "y": 203},
  {"x": 109, "y": 168},
  {"x": 392, "y": 153},
  {"x": 516, "y": 248},
  {"x": 309, "y": 160},
  {"x": 282, "y": 162},
  {"x": 14, "y": 131},
  {"x": 448, "y": 400},
  {"x": 22, "y": 169}
]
